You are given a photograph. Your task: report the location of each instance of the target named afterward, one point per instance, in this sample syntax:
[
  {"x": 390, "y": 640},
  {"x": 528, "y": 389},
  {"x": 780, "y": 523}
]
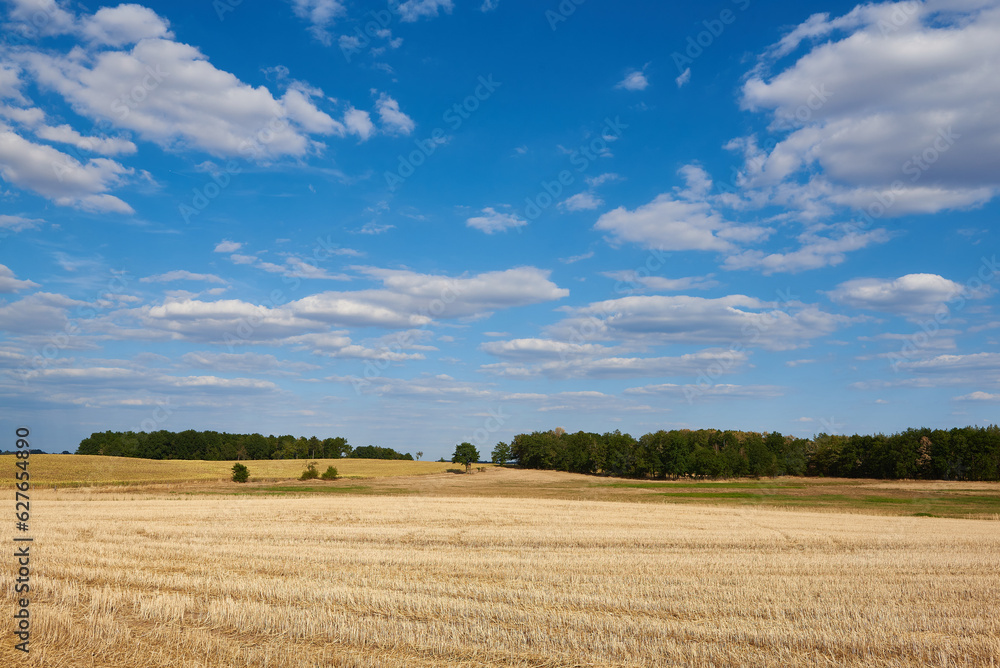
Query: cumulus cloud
[
  {"x": 406, "y": 300},
  {"x": 730, "y": 320},
  {"x": 815, "y": 251},
  {"x": 393, "y": 120},
  {"x": 633, "y": 81},
  {"x": 103, "y": 145},
  {"x": 913, "y": 294},
  {"x": 8, "y": 282},
  {"x": 585, "y": 201},
  {"x": 39, "y": 313},
  {"x": 61, "y": 177},
  {"x": 669, "y": 223},
  {"x": 170, "y": 94},
  {"x": 359, "y": 122},
  {"x": 227, "y": 246},
  {"x": 894, "y": 92},
  {"x": 124, "y": 24},
  {"x": 492, "y": 221}
]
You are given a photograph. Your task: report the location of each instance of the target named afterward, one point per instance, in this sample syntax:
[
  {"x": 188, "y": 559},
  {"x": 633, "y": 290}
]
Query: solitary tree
[
  {"x": 240, "y": 473},
  {"x": 501, "y": 454},
  {"x": 419, "y": 454},
  {"x": 310, "y": 473},
  {"x": 465, "y": 453}
]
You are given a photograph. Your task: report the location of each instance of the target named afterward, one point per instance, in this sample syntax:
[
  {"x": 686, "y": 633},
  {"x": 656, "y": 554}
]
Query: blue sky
[{"x": 425, "y": 222}]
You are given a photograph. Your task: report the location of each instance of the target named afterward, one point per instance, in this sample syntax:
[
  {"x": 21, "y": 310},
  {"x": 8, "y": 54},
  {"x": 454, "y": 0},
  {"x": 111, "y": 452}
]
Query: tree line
[
  {"x": 221, "y": 446},
  {"x": 963, "y": 453}
]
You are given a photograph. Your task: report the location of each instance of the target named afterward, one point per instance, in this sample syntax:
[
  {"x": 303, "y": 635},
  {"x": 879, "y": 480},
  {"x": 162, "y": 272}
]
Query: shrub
[
  {"x": 329, "y": 474},
  {"x": 310, "y": 473},
  {"x": 240, "y": 473}
]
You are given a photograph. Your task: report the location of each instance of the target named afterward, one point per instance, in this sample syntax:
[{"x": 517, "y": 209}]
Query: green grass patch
[{"x": 704, "y": 485}]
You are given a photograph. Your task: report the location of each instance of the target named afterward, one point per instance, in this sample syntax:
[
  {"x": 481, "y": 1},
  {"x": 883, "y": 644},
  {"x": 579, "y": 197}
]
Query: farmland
[{"x": 507, "y": 568}]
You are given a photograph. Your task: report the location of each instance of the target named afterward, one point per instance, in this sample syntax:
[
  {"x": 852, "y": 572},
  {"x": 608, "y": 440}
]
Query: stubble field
[{"x": 165, "y": 579}]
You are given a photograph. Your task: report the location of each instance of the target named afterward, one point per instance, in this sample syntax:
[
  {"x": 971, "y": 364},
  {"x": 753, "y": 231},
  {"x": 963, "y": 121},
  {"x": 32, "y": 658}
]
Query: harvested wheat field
[
  {"x": 86, "y": 470},
  {"x": 406, "y": 581}
]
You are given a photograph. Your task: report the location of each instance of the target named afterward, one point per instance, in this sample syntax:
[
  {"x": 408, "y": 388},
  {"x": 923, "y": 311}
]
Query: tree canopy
[{"x": 965, "y": 453}]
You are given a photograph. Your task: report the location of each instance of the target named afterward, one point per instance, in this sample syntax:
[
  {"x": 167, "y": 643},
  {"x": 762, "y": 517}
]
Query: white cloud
[
  {"x": 671, "y": 224},
  {"x": 103, "y": 145},
  {"x": 413, "y": 10},
  {"x": 730, "y": 320},
  {"x": 489, "y": 5},
  {"x": 18, "y": 223},
  {"x": 913, "y": 294},
  {"x": 903, "y": 92},
  {"x": 620, "y": 367},
  {"x": 60, "y": 177},
  {"x": 8, "y": 283},
  {"x": 406, "y": 300},
  {"x": 170, "y": 94},
  {"x": 661, "y": 283},
  {"x": 182, "y": 275},
  {"x": 584, "y": 201},
  {"x": 227, "y": 246},
  {"x": 319, "y": 13},
  {"x": 394, "y": 120},
  {"x": 684, "y": 78},
  {"x": 577, "y": 258},
  {"x": 721, "y": 390},
  {"x": 493, "y": 221},
  {"x": 816, "y": 251},
  {"x": 601, "y": 179},
  {"x": 986, "y": 364},
  {"x": 244, "y": 363},
  {"x": 359, "y": 122},
  {"x": 633, "y": 81},
  {"x": 24, "y": 17},
  {"x": 532, "y": 350},
  {"x": 124, "y": 24},
  {"x": 40, "y": 313},
  {"x": 979, "y": 396}
]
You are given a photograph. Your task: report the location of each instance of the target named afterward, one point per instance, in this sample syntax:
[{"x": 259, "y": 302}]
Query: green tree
[
  {"x": 465, "y": 453},
  {"x": 420, "y": 454},
  {"x": 310, "y": 473},
  {"x": 501, "y": 454},
  {"x": 240, "y": 473},
  {"x": 329, "y": 474}
]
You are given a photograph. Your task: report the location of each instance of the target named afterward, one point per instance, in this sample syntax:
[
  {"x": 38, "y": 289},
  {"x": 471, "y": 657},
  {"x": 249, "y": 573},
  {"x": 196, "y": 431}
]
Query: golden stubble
[{"x": 397, "y": 581}]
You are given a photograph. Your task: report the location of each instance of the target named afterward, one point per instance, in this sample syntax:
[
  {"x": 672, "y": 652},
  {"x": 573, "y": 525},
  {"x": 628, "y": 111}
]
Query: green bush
[
  {"x": 240, "y": 473},
  {"x": 329, "y": 474},
  {"x": 310, "y": 473}
]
